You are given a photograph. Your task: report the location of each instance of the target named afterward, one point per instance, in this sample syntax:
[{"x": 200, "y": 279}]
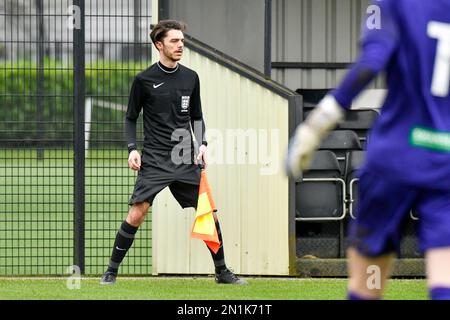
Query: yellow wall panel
[{"x": 250, "y": 190}]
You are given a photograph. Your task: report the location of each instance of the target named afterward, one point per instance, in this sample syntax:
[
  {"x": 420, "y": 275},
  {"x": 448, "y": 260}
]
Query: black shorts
[{"x": 159, "y": 171}]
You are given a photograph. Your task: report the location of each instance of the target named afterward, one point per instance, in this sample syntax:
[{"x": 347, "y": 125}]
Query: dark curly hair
[{"x": 160, "y": 30}]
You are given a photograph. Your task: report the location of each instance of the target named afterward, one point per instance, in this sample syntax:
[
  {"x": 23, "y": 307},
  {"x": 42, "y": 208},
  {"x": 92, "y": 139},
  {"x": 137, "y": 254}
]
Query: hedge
[{"x": 19, "y": 126}]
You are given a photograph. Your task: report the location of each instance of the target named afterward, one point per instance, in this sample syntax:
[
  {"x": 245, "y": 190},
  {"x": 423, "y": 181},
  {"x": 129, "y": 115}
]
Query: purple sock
[
  {"x": 440, "y": 293},
  {"x": 354, "y": 296}
]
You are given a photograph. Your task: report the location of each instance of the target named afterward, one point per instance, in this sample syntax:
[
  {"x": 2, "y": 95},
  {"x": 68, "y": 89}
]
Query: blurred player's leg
[
  {"x": 374, "y": 236},
  {"x": 368, "y": 275},
  {"x": 433, "y": 207},
  {"x": 124, "y": 240},
  {"x": 438, "y": 273}
]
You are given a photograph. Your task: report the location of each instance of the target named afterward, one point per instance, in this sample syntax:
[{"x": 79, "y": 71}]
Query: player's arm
[
  {"x": 378, "y": 45},
  {"x": 198, "y": 123},
  {"x": 379, "y": 42},
  {"x": 135, "y": 103}
]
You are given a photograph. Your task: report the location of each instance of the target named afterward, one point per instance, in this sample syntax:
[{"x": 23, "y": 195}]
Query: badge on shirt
[{"x": 185, "y": 103}]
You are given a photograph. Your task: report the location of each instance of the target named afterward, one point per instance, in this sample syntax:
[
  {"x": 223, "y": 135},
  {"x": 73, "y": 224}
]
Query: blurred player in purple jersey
[{"x": 408, "y": 156}]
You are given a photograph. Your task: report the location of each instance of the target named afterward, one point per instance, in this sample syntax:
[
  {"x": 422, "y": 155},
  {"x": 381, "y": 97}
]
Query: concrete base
[{"x": 313, "y": 267}]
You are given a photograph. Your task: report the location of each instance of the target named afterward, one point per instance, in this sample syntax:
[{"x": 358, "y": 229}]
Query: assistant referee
[{"x": 169, "y": 94}]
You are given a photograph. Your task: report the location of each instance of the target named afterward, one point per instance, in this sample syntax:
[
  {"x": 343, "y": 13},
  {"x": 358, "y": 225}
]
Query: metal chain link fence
[{"x": 40, "y": 228}]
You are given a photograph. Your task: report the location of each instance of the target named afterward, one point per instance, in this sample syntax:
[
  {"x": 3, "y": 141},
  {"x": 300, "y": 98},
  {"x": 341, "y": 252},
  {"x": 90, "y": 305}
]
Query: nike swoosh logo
[
  {"x": 157, "y": 85},
  {"x": 120, "y": 249}
]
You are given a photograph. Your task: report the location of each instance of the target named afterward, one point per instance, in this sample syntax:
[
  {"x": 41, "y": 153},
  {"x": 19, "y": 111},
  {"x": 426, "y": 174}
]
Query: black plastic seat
[
  {"x": 311, "y": 98},
  {"x": 353, "y": 162},
  {"x": 359, "y": 121},
  {"x": 414, "y": 215},
  {"x": 340, "y": 142},
  {"x": 320, "y": 194},
  {"x": 409, "y": 243}
]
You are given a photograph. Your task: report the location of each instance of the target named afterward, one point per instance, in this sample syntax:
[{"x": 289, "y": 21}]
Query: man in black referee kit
[{"x": 169, "y": 93}]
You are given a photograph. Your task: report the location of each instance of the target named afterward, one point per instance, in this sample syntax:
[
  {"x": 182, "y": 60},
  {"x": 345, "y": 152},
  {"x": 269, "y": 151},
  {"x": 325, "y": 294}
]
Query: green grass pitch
[
  {"x": 200, "y": 288},
  {"x": 36, "y": 205}
]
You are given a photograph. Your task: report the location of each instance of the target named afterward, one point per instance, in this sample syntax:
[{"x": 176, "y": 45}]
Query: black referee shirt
[{"x": 171, "y": 101}]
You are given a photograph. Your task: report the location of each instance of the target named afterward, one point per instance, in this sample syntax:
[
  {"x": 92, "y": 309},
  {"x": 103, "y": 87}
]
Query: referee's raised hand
[{"x": 134, "y": 160}]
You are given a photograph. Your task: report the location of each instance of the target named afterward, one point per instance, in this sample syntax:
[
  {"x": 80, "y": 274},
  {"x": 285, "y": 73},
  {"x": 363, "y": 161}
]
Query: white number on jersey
[{"x": 440, "y": 85}]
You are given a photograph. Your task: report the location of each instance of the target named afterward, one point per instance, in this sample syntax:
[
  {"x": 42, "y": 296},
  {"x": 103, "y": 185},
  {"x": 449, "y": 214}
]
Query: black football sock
[
  {"x": 219, "y": 257},
  {"x": 123, "y": 242}
]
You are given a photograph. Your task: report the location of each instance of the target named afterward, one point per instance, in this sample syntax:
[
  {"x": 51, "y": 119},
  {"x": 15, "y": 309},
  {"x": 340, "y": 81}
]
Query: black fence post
[
  {"x": 136, "y": 33},
  {"x": 78, "y": 136},
  {"x": 268, "y": 38},
  {"x": 40, "y": 79},
  {"x": 163, "y": 6}
]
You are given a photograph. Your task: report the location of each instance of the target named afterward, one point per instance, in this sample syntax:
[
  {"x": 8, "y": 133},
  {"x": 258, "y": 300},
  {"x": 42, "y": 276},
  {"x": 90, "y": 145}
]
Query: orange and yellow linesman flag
[{"x": 204, "y": 227}]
